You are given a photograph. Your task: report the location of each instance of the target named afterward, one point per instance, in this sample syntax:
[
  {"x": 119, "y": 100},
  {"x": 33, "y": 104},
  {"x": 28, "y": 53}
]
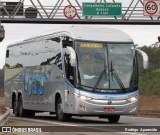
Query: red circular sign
[
  {"x": 70, "y": 12},
  {"x": 151, "y": 7}
]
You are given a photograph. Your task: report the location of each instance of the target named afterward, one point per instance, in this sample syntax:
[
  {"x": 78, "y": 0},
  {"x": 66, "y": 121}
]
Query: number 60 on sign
[{"x": 151, "y": 7}]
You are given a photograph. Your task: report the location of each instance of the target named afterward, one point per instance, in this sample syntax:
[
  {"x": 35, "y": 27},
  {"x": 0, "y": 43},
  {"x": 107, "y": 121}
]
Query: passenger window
[{"x": 53, "y": 52}]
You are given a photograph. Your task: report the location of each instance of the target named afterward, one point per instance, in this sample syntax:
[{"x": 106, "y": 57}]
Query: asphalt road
[{"x": 89, "y": 125}]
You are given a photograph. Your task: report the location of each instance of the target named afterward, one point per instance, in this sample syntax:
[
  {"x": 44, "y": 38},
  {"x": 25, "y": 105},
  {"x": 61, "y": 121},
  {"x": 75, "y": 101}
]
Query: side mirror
[
  {"x": 159, "y": 38},
  {"x": 72, "y": 53},
  {"x": 144, "y": 57}
]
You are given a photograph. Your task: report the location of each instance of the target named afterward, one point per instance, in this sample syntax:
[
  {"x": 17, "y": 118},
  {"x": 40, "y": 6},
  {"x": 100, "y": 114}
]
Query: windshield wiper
[
  {"x": 99, "y": 79},
  {"x": 117, "y": 78}
]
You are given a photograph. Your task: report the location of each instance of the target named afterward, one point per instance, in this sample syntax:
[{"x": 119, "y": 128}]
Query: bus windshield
[{"x": 106, "y": 66}]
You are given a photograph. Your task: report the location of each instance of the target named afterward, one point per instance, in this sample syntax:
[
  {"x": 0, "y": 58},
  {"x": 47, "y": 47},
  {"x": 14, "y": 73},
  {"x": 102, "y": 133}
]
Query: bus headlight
[
  {"x": 81, "y": 97},
  {"x": 132, "y": 99},
  {"x": 85, "y": 98}
]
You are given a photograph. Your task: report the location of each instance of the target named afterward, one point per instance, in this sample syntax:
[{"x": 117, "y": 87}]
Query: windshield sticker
[{"x": 91, "y": 45}]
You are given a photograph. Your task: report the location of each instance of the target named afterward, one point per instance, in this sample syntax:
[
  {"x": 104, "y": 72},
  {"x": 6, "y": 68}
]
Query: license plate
[{"x": 109, "y": 109}]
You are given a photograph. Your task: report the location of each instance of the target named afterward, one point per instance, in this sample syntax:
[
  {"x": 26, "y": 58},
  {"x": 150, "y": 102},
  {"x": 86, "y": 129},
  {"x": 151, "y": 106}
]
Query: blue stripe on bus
[{"x": 112, "y": 95}]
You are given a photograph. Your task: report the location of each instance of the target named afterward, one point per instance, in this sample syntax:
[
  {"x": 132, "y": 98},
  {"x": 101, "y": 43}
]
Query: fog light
[{"x": 84, "y": 98}]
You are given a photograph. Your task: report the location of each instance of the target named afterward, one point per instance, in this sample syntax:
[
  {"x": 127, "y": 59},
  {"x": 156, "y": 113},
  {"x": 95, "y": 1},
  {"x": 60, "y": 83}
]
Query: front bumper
[{"x": 102, "y": 107}]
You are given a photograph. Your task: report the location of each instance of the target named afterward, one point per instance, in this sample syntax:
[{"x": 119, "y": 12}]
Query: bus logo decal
[
  {"x": 109, "y": 102},
  {"x": 34, "y": 82}
]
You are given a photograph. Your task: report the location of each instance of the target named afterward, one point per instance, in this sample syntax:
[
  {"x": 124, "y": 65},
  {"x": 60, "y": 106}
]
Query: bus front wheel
[
  {"x": 113, "y": 118},
  {"x": 60, "y": 115},
  {"x": 30, "y": 113}
]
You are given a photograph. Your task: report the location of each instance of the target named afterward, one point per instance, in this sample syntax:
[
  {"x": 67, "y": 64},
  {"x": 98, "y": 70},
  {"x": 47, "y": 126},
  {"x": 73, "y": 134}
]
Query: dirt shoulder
[
  {"x": 1, "y": 102},
  {"x": 149, "y": 103},
  {"x": 1, "y": 97},
  {"x": 2, "y": 109},
  {"x": 149, "y": 106}
]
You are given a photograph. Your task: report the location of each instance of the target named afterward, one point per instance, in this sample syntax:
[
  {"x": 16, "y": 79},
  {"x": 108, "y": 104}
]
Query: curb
[{"x": 5, "y": 117}]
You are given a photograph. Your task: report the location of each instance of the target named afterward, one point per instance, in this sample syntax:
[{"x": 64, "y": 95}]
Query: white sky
[{"x": 141, "y": 34}]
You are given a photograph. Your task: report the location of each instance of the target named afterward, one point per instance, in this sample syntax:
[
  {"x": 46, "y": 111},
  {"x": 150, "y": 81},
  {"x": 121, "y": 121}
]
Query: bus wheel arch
[
  {"x": 56, "y": 99},
  {"x": 60, "y": 115},
  {"x": 13, "y": 99}
]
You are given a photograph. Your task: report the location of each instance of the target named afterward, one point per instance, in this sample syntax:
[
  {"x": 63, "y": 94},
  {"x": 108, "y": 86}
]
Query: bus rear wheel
[
  {"x": 22, "y": 112},
  {"x": 15, "y": 108},
  {"x": 113, "y": 118},
  {"x": 60, "y": 115}
]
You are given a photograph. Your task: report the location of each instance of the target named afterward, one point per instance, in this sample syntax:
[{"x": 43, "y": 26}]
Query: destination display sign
[{"x": 91, "y": 45}]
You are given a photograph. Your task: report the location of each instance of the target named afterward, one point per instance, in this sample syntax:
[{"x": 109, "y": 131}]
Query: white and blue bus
[{"x": 74, "y": 71}]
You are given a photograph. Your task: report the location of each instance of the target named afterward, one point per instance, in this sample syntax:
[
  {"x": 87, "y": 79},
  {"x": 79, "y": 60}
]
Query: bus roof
[
  {"x": 89, "y": 33},
  {"x": 98, "y": 33}
]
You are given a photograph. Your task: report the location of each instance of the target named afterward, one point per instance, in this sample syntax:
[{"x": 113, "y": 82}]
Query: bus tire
[
  {"x": 22, "y": 112},
  {"x": 15, "y": 108},
  {"x": 113, "y": 118},
  {"x": 60, "y": 115},
  {"x": 31, "y": 113}
]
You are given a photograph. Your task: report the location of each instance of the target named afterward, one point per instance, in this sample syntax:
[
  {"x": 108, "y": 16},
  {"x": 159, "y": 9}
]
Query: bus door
[{"x": 69, "y": 76}]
